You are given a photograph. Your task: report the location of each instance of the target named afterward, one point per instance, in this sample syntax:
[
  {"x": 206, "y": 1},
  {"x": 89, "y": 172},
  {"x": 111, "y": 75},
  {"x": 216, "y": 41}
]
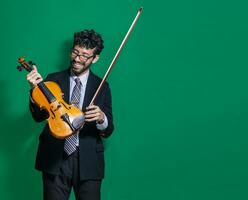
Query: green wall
[{"x": 179, "y": 91}]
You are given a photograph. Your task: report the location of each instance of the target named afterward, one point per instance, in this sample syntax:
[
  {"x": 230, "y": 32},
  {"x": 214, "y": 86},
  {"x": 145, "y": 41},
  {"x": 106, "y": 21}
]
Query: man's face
[{"x": 81, "y": 59}]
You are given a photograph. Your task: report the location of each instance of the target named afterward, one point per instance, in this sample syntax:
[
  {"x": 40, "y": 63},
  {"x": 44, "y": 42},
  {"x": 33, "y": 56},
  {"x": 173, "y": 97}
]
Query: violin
[{"x": 64, "y": 119}]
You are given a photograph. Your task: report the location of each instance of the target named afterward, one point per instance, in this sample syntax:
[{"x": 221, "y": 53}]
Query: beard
[{"x": 79, "y": 68}]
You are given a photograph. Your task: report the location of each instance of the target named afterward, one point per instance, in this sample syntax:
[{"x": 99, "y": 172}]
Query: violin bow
[{"x": 116, "y": 56}]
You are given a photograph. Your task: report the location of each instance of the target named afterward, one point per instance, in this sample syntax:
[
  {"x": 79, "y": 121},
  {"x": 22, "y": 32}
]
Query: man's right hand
[{"x": 34, "y": 77}]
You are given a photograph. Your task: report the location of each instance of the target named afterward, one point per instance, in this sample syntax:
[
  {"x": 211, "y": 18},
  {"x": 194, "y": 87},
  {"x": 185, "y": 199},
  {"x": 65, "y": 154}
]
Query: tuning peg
[{"x": 19, "y": 68}]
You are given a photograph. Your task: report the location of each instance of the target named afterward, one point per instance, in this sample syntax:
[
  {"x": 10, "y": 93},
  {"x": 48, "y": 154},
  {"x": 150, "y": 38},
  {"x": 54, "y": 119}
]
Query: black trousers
[{"x": 58, "y": 187}]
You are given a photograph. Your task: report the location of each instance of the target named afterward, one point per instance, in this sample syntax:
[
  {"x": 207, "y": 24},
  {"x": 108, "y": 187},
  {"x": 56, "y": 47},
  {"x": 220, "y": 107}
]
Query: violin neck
[{"x": 47, "y": 93}]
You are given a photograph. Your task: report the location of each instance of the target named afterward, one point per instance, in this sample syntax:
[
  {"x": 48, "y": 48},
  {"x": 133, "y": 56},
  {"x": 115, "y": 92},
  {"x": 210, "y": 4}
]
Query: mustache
[{"x": 75, "y": 62}]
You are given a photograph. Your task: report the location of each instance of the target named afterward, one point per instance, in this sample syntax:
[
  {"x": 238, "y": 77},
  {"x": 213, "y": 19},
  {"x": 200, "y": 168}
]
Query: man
[{"x": 78, "y": 161}]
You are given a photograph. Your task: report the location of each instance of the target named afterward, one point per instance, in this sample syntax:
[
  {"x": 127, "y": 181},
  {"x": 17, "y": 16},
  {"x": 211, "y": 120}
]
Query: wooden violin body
[{"x": 64, "y": 119}]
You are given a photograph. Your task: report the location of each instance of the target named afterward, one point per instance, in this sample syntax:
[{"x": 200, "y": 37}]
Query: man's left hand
[{"x": 94, "y": 113}]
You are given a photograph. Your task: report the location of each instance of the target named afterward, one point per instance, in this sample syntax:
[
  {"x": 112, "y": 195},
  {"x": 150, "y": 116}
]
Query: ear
[{"x": 96, "y": 59}]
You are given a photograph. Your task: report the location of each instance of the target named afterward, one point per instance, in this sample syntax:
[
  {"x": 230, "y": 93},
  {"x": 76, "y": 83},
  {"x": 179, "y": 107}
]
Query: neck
[{"x": 80, "y": 74}]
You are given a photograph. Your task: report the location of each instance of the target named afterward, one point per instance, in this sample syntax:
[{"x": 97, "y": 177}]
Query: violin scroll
[{"x": 25, "y": 65}]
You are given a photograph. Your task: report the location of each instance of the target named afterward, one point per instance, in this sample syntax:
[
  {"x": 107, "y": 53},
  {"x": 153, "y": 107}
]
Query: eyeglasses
[{"x": 82, "y": 57}]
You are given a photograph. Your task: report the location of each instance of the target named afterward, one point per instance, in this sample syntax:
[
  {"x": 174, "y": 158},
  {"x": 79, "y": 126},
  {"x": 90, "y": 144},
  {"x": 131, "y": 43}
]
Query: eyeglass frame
[{"x": 82, "y": 57}]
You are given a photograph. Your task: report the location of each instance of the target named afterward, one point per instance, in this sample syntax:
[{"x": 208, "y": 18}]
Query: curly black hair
[{"x": 89, "y": 39}]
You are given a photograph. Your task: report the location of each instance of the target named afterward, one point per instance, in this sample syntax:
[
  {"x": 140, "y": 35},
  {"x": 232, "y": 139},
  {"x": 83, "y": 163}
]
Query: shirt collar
[{"x": 83, "y": 78}]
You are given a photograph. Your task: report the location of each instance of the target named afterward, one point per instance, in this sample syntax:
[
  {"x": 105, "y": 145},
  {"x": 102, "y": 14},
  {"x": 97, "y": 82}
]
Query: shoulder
[{"x": 96, "y": 79}]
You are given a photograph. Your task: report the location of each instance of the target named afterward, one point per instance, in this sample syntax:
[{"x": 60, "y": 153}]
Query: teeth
[{"x": 76, "y": 64}]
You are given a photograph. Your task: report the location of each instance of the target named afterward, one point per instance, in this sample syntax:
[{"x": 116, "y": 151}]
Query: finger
[
  {"x": 34, "y": 76},
  {"x": 91, "y": 107},
  {"x": 31, "y": 76},
  {"x": 91, "y": 112},
  {"x": 35, "y": 80},
  {"x": 92, "y": 115},
  {"x": 91, "y": 119},
  {"x": 34, "y": 68},
  {"x": 31, "y": 73},
  {"x": 37, "y": 76}
]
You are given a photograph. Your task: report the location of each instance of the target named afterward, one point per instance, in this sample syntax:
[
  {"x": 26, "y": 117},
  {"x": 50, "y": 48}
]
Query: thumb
[{"x": 34, "y": 68}]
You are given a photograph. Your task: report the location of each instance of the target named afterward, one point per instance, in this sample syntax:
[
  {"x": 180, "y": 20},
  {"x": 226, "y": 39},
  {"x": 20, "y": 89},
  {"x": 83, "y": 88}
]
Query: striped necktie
[{"x": 72, "y": 141}]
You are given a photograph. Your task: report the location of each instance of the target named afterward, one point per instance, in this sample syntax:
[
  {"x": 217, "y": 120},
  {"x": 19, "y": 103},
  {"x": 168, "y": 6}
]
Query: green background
[{"x": 179, "y": 94}]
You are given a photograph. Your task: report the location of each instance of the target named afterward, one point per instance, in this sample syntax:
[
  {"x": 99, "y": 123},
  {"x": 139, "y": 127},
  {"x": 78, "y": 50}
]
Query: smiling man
[{"x": 76, "y": 162}]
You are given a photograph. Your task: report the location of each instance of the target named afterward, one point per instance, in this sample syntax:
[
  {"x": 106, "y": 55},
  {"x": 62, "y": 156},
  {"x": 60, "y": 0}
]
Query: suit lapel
[{"x": 91, "y": 87}]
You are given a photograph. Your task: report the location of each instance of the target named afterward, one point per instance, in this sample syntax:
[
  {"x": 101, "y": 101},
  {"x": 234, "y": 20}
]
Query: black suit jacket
[{"x": 91, "y": 157}]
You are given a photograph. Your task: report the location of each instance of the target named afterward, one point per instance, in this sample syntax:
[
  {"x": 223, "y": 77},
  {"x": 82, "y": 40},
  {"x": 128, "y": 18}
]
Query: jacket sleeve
[
  {"x": 37, "y": 114},
  {"x": 107, "y": 109}
]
